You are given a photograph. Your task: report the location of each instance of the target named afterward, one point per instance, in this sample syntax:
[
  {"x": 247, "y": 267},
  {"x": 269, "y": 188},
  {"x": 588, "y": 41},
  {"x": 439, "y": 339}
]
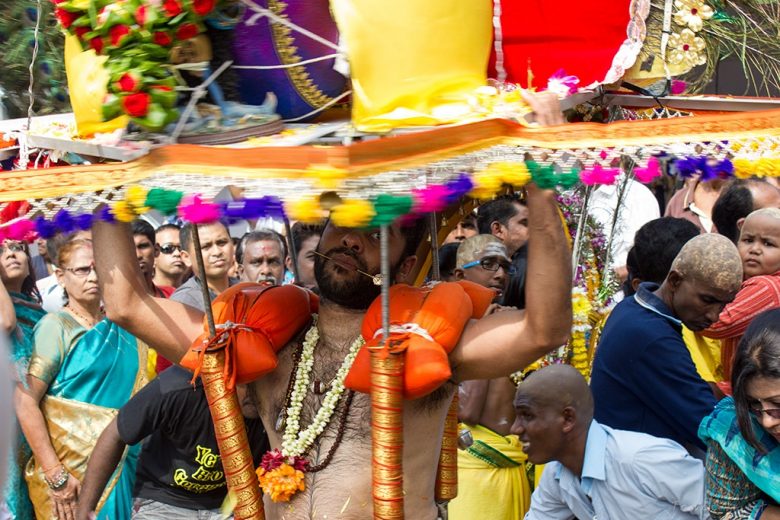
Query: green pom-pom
[
  {"x": 390, "y": 207},
  {"x": 164, "y": 201}
]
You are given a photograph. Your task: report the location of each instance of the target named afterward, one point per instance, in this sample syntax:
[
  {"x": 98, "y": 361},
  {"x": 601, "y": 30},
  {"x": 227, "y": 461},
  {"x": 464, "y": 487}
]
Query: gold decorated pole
[
  {"x": 447, "y": 469},
  {"x": 232, "y": 439},
  {"x": 447, "y": 472},
  {"x": 387, "y": 433}
]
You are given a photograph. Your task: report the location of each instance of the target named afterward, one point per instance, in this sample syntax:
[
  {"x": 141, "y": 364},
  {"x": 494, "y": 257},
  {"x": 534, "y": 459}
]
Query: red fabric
[
  {"x": 758, "y": 294},
  {"x": 582, "y": 38}
]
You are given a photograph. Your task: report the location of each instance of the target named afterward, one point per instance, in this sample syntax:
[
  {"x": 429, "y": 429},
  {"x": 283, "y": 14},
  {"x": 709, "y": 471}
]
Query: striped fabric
[{"x": 758, "y": 294}]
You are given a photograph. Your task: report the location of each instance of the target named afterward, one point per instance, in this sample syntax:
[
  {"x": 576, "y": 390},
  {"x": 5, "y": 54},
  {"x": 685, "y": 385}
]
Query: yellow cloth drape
[
  {"x": 87, "y": 80},
  {"x": 414, "y": 63},
  {"x": 705, "y": 353},
  {"x": 485, "y": 491}
]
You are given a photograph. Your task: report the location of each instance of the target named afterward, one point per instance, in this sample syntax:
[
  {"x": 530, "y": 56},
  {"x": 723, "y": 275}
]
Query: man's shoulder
[
  {"x": 634, "y": 448},
  {"x": 636, "y": 323}
]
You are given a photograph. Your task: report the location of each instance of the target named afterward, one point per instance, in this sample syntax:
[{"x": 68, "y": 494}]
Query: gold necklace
[{"x": 90, "y": 322}]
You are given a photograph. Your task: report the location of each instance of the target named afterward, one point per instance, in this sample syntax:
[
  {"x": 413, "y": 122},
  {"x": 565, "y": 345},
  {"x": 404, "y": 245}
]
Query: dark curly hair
[{"x": 656, "y": 245}]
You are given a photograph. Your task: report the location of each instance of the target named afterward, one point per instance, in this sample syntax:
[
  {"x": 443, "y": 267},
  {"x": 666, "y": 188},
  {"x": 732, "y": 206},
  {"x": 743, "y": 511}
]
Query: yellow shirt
[{"x": 705, "y": 353}]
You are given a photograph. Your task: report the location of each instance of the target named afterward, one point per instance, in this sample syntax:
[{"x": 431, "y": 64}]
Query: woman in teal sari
[
  {"x": 82, "y": 370},
  {"x": 20, "y": 311},
  {"x": 743, "y": 432}
]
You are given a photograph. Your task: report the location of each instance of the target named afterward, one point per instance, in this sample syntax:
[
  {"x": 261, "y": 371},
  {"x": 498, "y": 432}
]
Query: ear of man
[
  {"x": 569, "y": 419},
  {"x": 405, "y": 268}
]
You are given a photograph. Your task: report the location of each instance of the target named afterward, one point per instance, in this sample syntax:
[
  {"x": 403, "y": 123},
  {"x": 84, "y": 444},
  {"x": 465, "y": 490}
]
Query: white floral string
[{"x": 295, "y": 441}]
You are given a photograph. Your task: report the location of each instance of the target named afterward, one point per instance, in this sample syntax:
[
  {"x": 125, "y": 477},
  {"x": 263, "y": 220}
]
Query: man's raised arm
[
  {"x": 167, "y": 326},
  {"x": 505, "y": 342}
]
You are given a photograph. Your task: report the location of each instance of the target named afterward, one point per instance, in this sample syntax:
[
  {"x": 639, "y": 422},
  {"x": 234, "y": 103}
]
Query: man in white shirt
[{"x": 592, "y": 470}]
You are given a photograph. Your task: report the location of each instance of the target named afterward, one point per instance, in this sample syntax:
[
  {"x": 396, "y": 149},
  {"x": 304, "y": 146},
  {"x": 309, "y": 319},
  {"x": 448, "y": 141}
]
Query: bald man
[
  {"x": 592, "y": 470},
  {"x": 643, "y": 378}
]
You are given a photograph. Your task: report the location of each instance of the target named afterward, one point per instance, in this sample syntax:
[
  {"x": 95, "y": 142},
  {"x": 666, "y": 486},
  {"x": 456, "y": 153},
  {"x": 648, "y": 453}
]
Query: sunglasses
[
  {"x": 774, "y": 413},
  {"x": 14, "y": 247},
  {"x": 81, "y": 272},
  {"x": 492, "y": 263},
  {"x": 169, "y": 249}
]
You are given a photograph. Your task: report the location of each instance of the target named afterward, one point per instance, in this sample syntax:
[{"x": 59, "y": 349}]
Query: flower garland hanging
[{"x": 281, "y": 472}]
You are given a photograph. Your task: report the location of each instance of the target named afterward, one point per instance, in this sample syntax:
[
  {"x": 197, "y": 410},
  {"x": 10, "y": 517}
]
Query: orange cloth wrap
[
  {"x": 261, "y": 319},
  {"x": 441, "y": 312}
]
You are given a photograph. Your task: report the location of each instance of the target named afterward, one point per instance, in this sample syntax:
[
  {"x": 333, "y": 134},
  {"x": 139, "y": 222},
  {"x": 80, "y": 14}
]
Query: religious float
[{"x": 438, "y": 121}]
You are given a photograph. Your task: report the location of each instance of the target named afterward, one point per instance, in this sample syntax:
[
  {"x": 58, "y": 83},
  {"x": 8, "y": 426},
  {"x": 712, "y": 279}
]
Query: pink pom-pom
[
  {"x": 599, "y": 175},
  {"x": 430, "y": 199},
  {"x": 3, "y": 234},
  {"x": 648, "y": 173},
  {"x": 194, "y": 209},
  {"x": 21, "y": 229}
]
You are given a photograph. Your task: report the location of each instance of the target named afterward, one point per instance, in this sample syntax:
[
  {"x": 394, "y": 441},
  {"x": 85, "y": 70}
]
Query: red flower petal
[
  {"x": 172, "y": 7},
  {"x": 97, "y": 44},
  {"x": 203, "y": 7},
  {"x": 187, "y": 31},
  {"x": 117, "y": 33},
  {"x": 162, "y": 38},
  {"x": 66, "y": 18},
  {"x": 136, "y": 105}
]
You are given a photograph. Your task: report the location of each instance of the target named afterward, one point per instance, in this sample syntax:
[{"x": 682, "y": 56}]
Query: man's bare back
[{"x": 489, "y": 403}]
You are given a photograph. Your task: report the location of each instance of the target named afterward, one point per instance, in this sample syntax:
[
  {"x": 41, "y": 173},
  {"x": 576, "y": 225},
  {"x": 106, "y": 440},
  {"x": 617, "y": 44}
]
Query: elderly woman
[
  {"x": 20, "y": 310},
  {"x": 743, "y": 432},
  {"x": 82, "y": 370}
]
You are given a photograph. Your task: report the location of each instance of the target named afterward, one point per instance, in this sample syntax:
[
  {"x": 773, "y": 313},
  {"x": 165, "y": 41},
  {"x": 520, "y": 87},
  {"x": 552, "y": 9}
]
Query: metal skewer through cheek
[{"x": 375, "y": 278}]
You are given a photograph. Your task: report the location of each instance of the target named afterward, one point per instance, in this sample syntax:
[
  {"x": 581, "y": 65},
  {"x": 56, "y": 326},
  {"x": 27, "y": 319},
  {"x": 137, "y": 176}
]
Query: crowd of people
[{"x": 679, "y": 417}]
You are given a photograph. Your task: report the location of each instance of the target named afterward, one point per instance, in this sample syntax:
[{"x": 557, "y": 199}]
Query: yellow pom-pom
[
  {"x": 352, "y": 213},
  {"x": 136, "y": 197},
  {"x": 515, "y": 174},
  {"x": 306, "y": 210},
  {"x": 744, "y": 168},
  {"x": 326, "y": 177},
  {"x": 123, "y": 212}
]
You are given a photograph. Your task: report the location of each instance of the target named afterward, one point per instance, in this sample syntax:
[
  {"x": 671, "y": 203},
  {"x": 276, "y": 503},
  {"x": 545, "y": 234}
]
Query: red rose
[
  {"x": 66, "y": 18},
  {"x": 187, "y": 31},
  {"x": 172, "y": 7},
  {"x": 140, "y": 15},
  {"x": 128, "y": 82},
  {"x": 81, "y": 31},
  {"x": 136, "y": 105},
  {"x": 162, "y": 38},
  {"x": 118, "y": 33},
  {"x": 97, "y": 44},
  {"x": 203, "y": 7}
]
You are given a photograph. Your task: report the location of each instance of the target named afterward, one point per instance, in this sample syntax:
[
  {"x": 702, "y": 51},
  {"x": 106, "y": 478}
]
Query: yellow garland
[
  {"x": 353, "y": 213},
  {"x": 744, "y": 168},
  {"x": 581, "y": 308}
]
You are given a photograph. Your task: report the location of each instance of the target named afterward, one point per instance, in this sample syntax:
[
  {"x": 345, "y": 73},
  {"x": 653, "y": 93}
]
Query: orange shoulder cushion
[{"x": 253, "y": 322}]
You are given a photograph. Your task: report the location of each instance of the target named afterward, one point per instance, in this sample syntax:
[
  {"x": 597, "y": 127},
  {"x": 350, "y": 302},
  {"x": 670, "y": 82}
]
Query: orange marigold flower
[{"x": 281, "y": 483}]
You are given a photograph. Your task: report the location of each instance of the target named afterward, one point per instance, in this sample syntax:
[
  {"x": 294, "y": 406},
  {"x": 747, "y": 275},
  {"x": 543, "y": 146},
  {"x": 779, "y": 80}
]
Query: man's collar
[
  {"x": 646, "y": 298},
  {"x": 594, "y": 462}
]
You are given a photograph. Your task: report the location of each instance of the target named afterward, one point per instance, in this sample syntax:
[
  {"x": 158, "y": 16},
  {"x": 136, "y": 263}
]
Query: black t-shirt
[
  {"x": 179, "y": 463},
  {"x": 515, "y": 293}
]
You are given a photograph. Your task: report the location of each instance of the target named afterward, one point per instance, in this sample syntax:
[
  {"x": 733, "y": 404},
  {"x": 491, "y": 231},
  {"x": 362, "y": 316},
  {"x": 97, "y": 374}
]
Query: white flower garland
[{"x": 296, "y": 442}]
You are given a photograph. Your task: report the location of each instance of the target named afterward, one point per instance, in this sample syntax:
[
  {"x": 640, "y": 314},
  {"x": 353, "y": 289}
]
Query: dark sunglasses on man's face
[
  {"x": 492, "y": 263},
  {"x": 169, "y": 249}
]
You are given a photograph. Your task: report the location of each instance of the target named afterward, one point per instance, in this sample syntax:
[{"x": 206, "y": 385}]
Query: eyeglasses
[
  {"x": 169, "y": 249},
  {"x": 14, "y": 247},
  {"x": 81, "y": 272},
  {"x": 492, "y": 263},
  {"x": 759, "y": 412}
]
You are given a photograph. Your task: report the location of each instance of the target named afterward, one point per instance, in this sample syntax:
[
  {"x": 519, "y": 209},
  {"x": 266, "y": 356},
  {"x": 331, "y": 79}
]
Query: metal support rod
[
  {"x": 434, "y": 231},
  {"x": 577, "y": 249},
  {"x": 384, "y": 249},
  {"x": 203, "y": 284},
  {"x": 291, "y": 247}
]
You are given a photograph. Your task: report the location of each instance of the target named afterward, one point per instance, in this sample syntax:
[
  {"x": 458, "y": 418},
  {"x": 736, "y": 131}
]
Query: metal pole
[
  {"x": 291, "y": 247},
  {"x": 435, "y": 267},
  {"x": 203, "y": 284}
]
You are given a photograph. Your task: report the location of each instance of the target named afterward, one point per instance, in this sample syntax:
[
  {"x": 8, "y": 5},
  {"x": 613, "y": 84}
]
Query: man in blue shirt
[
  {"x": 643, "y": 378},
  {"x": 592, "y": 470}
]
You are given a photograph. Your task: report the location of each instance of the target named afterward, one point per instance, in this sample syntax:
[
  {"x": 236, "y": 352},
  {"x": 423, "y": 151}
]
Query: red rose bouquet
[{"x": 137, "y": 36}]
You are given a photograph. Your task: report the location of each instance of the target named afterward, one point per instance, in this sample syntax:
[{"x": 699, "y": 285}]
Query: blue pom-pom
[{"x": 64, "y": 221}]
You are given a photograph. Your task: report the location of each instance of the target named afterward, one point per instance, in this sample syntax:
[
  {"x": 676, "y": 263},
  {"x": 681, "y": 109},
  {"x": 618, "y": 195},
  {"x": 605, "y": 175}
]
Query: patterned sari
[
  {"x": 740, "y": 480},
  {"x": 15, "y": 494},
  {"x": 91, "y": 374}
]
